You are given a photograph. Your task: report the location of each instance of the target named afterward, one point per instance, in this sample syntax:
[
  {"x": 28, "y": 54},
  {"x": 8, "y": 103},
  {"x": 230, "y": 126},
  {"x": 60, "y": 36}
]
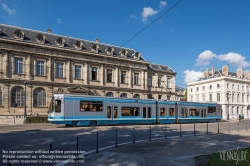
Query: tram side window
[
  {"x": 149, "y": 112},
  {"x": 182, "y": 112},
  {"x": 211, "y": 109},
  {"x": 194, "y": 112},
  {"x": 108, "y": 112},
  {"x": 171, "y": 111},
  {"x": 130, "y": 111},
  {"x": 58, "y": 105},
  {"x": 93, "y": 106},
  {"x": 115, "y": 112},
  {"x": 144, "y": 112},
  {"x": 162, "y": 112}
]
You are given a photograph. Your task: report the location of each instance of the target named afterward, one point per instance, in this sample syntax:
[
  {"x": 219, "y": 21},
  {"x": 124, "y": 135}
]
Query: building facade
[
  {"x": 230, "y": 89},
  {"x": 35, "y": 65}
]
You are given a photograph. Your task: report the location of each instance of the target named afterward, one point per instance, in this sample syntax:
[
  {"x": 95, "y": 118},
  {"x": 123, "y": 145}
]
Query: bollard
[
  {"x": 238, "y": 127},
  {"x": 97, "y": 149},
  {"x": 116, "y": 138},
  {"x": 207, "y": 128},
  {"x": 133, "y": 135},
  {"x": 246, "y": 126},
  {"x": 150, "y": 134},
  {"x": 218, "y": 128},
  {"x": 194, "y": 128},
  {"x": 165, "y": 131},
  {"x": 180, "y": 131}
]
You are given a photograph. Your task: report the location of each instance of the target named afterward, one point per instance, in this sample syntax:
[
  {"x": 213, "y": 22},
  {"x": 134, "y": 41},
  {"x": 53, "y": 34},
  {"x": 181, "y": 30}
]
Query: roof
[
  {"x": 158, "y": 67},
  {"x": 50, "y": 39}
]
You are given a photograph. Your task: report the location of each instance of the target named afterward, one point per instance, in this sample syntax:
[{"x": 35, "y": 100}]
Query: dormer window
[
  {"x": 78, "y": 45},
  {"x": 19, "y": 34},
  {"x": 60, "y": 42},
  {"x": 40, "y": 38},
  {"x": 94, "y": 47},
  {"x": 110, "y": 50},
  {"x": 123, "y": 53},
  {"x": 137, "y": 55}
]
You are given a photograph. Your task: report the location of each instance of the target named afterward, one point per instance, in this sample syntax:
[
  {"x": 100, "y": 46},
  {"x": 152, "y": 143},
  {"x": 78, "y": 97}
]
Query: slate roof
[
  {"x": 158, "y": 67},
  {"x": 7, "y": 31}
]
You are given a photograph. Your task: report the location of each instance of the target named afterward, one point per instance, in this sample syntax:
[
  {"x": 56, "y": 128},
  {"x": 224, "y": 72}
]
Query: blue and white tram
[{"x": 82, "y": 110}]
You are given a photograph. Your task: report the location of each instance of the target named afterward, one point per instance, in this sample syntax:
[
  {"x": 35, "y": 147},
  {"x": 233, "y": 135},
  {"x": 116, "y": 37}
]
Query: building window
[
  {"x": 1, "y": 98},
  {"x": 238, "y": 87},
  {"x": 123, "y": 77},
  {"x": 159, "y": 97},
  {"x": 124, "y": 95},
  {"x": 59, "y": 69},
  {"x": 18, "y": 65},
  {"x": 247, "y": 98},
  {"x": 150, "y": 96},
  {"x": 242, "y": 87},
  {"x": 218, "y": 86},
  {"x": 191, "y": 97},
  {"x": 39, "y": 67},
  {"x": 210, "y": 97},
  {"x": 203, "y": 97},
  {"x": 18, "y": 97},
  {"x": 218, "y": 97},
  {"x": 233, "y": 97},
  {"x": 227, "y": 85},
  {"x": 169, "y": 82},
  {"x": 159, "y": 82},
  {"x": 39, "y": 97},
  {"x": 197, "y": 89},
  {"x": 238, "y": 96},
  {"x": 136, "y": 78},
  {"x": 149, "y": 80},
  {"x": 237, "y": 111},
  {"x": 109, "y": 94},
  {"x": 191, "y": 89},
  {"x": 94, "y": 73},
  {"x": 232, "y": 86},
  {"x": 136, "y": 96},
  {"x": 109, "y": 75},
  {"x": 203, "y": 88},
  {"x": 210, "y": 87},
  {"x": 78, "y": 72},
  {"x": 242, "y": 98}
]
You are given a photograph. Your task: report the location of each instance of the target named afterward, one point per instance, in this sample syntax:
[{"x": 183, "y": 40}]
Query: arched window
[
  {"x": 124, "y": 95},
  {"x": 17, "y": 95},
  {"x": 39, "y": 97},
  {"x": 136, "y": 96},
  {"x": 110, "y": 94},
  {"x": 1, "y": 98}
]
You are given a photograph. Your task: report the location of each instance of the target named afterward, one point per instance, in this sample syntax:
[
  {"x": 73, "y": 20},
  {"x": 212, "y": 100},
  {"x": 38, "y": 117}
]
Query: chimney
[
  {"x": 49, "y": 30},
  {"x": 205, "y": 73},
  {"x": 239, "y": 73},
  {"x": 97, "y": 40},
  {"x": 213, "y": 71},
  {"x": 225, "y": 70},
  {"x": 246, "y": 74}
]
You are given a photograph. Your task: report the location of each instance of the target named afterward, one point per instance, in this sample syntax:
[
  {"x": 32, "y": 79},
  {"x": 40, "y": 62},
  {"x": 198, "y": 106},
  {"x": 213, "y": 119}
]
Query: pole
[
  {"x": 194, "y": 128},
  {"x": 228, "y": 106},
  {"x": 25, "y": 115},
  {"x": 116, "y": 138},
  {"x": 207, "y": 128},
  {"x": 97, "y": 149}
]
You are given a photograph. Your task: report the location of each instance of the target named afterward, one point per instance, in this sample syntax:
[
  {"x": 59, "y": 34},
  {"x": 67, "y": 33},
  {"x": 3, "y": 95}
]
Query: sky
[{"x": 191, "y": 37}]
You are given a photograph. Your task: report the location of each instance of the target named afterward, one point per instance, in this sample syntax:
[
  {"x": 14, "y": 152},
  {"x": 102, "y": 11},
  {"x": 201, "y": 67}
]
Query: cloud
[
  {"x": 162, "y": 4},
  {"x": 59, "y": 21},
  {"x": 133, "y": 16},
  {"x": 192, "y": 76},
  {"x": 204, "y": 58},
  {"x": 10, "y": 11},
  {"x": 146, "y": 12},
  {"x": 234, "y": 59}
]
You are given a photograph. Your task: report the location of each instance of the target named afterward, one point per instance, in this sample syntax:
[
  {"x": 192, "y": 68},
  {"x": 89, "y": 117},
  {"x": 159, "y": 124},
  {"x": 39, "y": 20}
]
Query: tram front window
[{"x": 57, "y": 105}]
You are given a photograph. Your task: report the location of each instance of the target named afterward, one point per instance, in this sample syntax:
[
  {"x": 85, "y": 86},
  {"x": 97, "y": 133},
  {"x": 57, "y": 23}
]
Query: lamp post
[{"x": 228, "y": 96}]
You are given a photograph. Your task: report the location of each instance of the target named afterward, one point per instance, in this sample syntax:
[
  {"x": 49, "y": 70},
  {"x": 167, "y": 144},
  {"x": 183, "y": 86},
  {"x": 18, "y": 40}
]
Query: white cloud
[
  {"x": 146, "y": 12},
  {"x": 134, "y": 16},
  {"x": 192, "y": 76},
  {"x": 234, "y": 59},
  {"x": 59, "y": 21},
  {"x": 162, "y": 4},
  {"x": 205, "y": 57},
  {"x": 10, "y": 11}
]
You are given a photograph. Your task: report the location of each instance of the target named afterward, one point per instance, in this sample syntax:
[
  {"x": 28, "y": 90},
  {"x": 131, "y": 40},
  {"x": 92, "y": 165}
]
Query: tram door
[
  {"x": 184, "y": 112},
  {"x": 147, "y": 112},
  {"x": 203, "y": 113},
  {"x": 112, "y": 114}
]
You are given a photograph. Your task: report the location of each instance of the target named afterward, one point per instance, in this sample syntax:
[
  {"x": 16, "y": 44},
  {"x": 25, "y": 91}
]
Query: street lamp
[{"x": 228, "y": 96}]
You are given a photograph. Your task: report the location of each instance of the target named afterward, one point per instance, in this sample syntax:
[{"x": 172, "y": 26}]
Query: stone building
[
  {"x": 44, "y": 63},
  {"x": 231, "y": 89}
]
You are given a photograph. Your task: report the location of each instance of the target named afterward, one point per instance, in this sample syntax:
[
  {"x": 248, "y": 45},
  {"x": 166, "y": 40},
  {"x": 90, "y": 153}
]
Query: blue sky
[{"x": 193, "y": 36}]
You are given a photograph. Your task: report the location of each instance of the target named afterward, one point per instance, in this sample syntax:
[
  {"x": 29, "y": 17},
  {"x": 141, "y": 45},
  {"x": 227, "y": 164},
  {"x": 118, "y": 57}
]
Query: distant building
[
  {"x": 230, "y": 89},
  {"x": 44, "y": 63}
]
